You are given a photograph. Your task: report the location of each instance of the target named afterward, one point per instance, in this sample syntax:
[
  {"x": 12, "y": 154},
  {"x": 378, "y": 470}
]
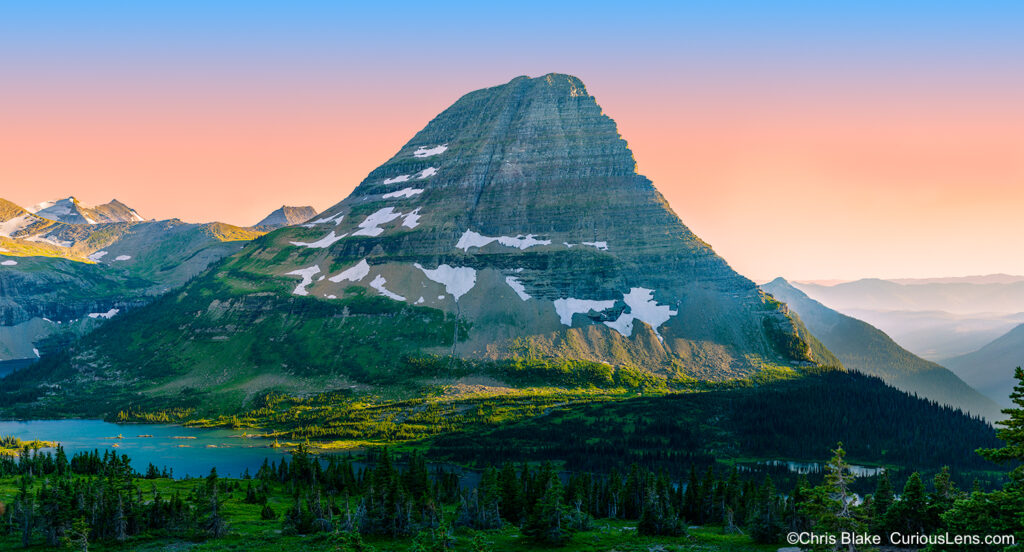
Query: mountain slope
[
  {"x": 286, "y": 216},
  {"x": 866, "y": 349},
  {"x": 514, "y": 226},
  {"x": 990, "y": 369},
  {"x": 58, "y": 278}
]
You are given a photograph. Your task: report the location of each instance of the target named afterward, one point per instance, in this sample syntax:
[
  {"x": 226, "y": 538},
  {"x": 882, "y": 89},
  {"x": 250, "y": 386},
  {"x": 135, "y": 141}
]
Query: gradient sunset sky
[{"x": 812, "y": 140}]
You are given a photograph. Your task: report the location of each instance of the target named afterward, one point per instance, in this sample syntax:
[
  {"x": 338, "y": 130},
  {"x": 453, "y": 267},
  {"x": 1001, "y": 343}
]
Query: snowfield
[
  {"x": 371, "y": 225},
  {"x": 517, "y": 287},
  {"x": 378, "y": 284},
  {"x": 307, "y": 278},
  {"x": 352, "y": 274},
  {"x": 570, "y": 306},
  {"x": 457, "y": 281},
  {"x": 424, "y": 151},
  {"x": 404, "y": 192},
  {"x": 472, "y": 239},
  {"x": 641, "y": 307},
  {"x": 108, "y": 315},
  {"x": 322, "y": 243}
]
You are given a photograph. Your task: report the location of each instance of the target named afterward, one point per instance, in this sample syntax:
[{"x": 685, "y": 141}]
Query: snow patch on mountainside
[
  {"x": 371, "y": 225},
  {"x": 307, "y": 278},
  {"x": 378, "y": 284},
  {"x": 322, "y": 243},
  {"x": 95, "y": 257},
  {"x": 602, "y": 245},
  {"x": 517, "y": 287},
  {"x": 424, "y": 151},
  {"x": 412, "y": 220},
  {"x": 427, "y": 172},
  {"x": 122, "y": 257},
  {"x": 9, "y": 263},
  {"x": 472, "y": 239},
  {"x": 352, "y": 274},
  {"x": 570, "y": 306},
  {"x": 51, "y": 241},
  {"x": 16, "y": 224},
  {"x": 397, "y": 179},
  {"x": 642, "y": 307},
  {"x": 108, "y": 315},
  {"x": 336, "y": 219},
  {"x": 456, "y": 280},
  {"x": 404, "y": 192}
]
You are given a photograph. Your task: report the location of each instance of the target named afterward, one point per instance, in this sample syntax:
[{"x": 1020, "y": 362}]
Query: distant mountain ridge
[
  {"x": 990, "y": 368},
  {"x": 71, "y": 211},
  {"x": 958, "y": 296},
  {"x": 866, "y": 349},
  {"x": 936, "y": 318}
]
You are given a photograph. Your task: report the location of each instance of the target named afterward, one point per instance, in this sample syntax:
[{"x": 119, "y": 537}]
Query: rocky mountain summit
[
  {"x": 72, "y": 211},
  {"x": 286, "y": 216},
  {"x": 513, "y": 227}
]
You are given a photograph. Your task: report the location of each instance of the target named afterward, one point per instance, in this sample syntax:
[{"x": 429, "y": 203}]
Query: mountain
[
  {"x": 978, "y": 279},
  {"x": 990, "y": 368},
  {"x": 938, "y": 335},
  {"x": 962, "y": 296},
  {"x": 286, "y": 216},
  {"x": 71, "y": 211},
  {"x": 862, "y": 347},
  {"x": 61, "y": 280},
  {"x": 512, "y": 229},
  {"x": 935, "y": 318}
]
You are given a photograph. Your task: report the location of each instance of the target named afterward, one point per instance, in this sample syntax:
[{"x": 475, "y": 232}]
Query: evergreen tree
[
  {"x": 908, "y": 515},
  {"x": 881, "y": 501},
  {"x": 765, "y": 519},
  {"x": 830, "y": 505},
  {"x": 1012, "y": 433},
  {"x": 548, "y": 522}
]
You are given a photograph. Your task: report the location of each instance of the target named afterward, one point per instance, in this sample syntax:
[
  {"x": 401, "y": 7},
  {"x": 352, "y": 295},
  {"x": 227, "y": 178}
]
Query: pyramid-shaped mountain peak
[{"x": 513, "y": 225}]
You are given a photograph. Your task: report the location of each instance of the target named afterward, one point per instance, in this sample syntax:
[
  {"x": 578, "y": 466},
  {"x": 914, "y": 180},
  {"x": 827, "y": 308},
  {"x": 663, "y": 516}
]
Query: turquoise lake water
[{"x": 187, "y": 451}]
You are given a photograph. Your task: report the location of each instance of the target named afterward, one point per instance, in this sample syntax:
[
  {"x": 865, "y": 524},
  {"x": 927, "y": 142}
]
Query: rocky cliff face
[
  {"x": 513, "y": 226},
  {"x": 286, "y": 215}
]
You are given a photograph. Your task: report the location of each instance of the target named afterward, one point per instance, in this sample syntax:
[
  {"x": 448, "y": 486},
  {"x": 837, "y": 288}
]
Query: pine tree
[
  {"x": 765, "y": 520},
  {"x": 908, "y": 514},
  {"x": 548, "y": 523},
  {"x": 830, "y": 505},
  {"x": 1012, "y": 433},
  {"x": 215, "y": 524},
  {"x": 881, "y": 501}
]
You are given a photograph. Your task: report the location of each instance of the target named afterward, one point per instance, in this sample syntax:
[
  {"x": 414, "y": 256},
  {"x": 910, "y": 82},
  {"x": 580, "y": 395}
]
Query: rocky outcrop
[{"x": 286, "y": 215}]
